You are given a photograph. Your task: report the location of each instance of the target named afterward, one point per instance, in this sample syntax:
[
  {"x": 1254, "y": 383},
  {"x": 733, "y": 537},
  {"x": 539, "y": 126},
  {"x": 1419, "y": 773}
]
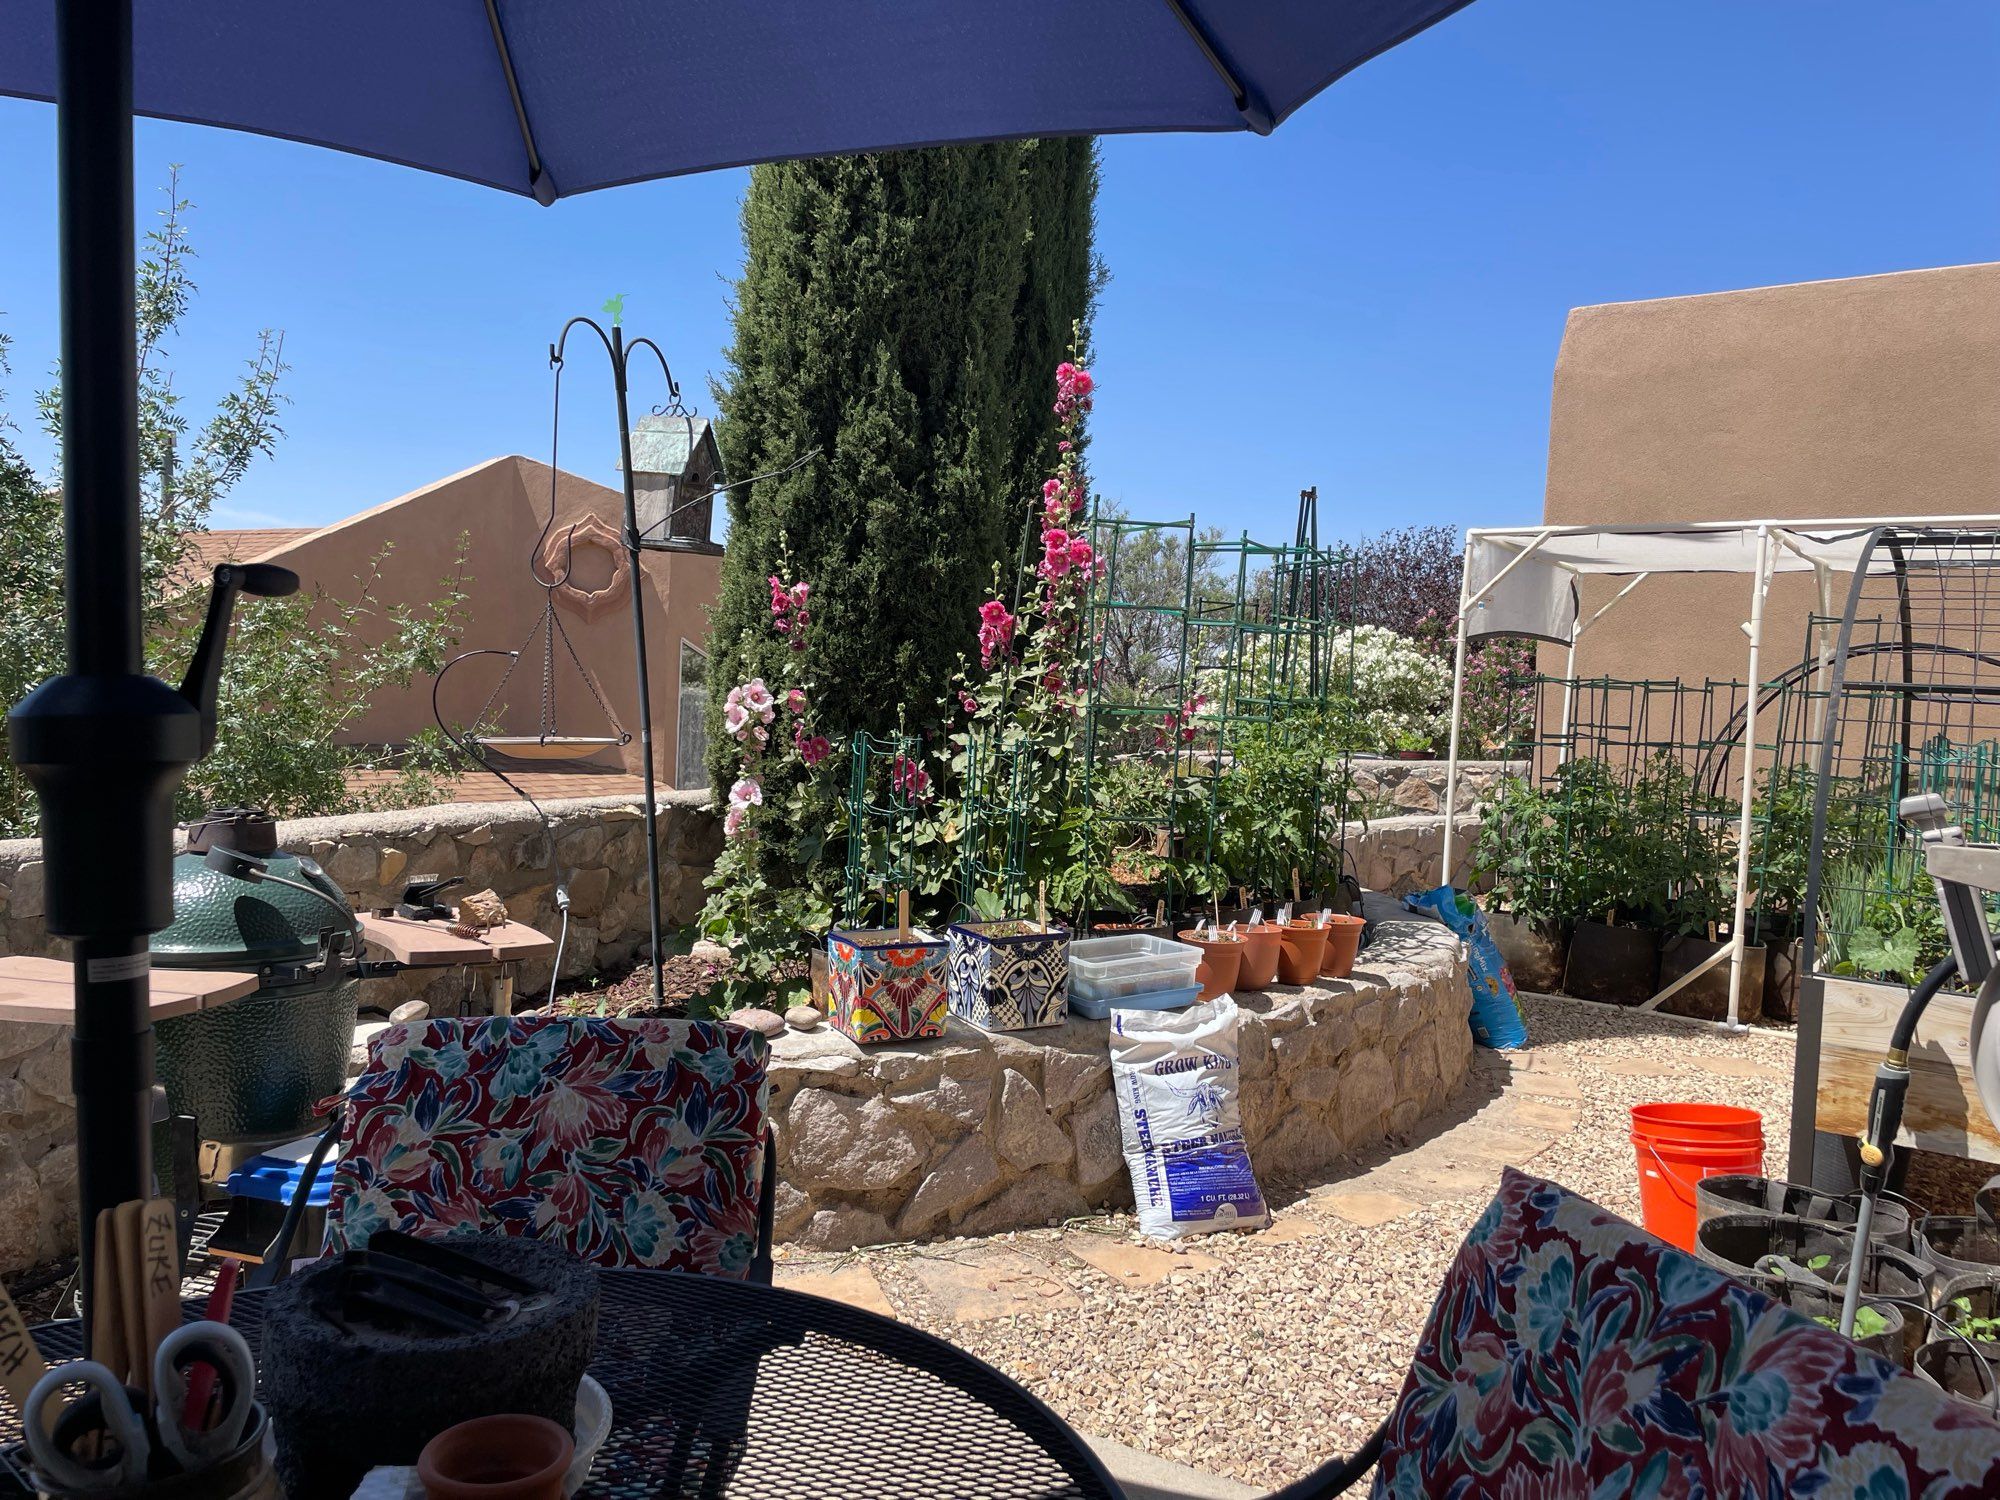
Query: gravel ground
[{"x": 1293, "y": 1347}]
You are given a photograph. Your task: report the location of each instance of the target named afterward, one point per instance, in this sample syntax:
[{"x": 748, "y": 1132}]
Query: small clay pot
[
  {"x": 511, "y": 1456},
  {"x": 1262, "y": 946},
  {"x": 1221, "y": 959},
  {"x": 1343, "y": 943},
  {"x": 1301, "y": 946}
]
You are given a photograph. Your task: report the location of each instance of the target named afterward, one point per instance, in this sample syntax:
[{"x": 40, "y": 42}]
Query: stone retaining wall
[
  {"x": 1418, "y": 786},
  {"x": 503, "y": 845},
  {"x": 1031, "y": 1089},
  {"x": 981, "y": 1132}
]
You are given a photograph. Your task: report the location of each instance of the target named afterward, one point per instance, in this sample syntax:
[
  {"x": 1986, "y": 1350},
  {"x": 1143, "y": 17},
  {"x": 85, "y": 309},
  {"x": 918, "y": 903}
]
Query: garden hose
[{"x": 1885, "y": 1118}]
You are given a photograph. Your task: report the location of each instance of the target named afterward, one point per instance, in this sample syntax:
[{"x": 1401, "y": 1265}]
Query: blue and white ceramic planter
[{"x": 1004, "y": 980}]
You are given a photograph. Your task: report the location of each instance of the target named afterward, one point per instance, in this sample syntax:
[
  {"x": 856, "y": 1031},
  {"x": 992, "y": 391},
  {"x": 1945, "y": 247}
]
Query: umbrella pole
[{"x": 104, "y": 745}]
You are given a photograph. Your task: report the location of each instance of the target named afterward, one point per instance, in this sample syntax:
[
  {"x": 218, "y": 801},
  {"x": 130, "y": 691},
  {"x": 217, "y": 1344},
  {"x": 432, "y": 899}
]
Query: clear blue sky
[{"x": 1370, "y": 300}]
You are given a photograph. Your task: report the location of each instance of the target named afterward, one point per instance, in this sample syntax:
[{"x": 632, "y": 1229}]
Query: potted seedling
[
  {"x": 1520, "y": 863},
  {"x": 1612, "y": 880},
  {"x": 1413, "y": 745},
  {"x": 1221, "y": 958},
  {"x": 886, "y": 984},
  {"x": 1011, "y": 974}
]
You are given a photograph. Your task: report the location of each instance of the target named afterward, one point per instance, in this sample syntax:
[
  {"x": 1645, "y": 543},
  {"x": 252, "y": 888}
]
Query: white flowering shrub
[{"x": 1401, "y": 694}]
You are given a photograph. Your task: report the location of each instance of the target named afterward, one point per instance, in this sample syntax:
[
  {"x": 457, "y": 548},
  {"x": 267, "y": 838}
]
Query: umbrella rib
[
  {"x": 540, "y": 183},
  {"x": 1254, "y": 114}
]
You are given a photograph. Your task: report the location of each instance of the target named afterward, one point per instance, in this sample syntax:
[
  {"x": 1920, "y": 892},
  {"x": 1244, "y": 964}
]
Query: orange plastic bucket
[{"x": 1680, "y": 1144}]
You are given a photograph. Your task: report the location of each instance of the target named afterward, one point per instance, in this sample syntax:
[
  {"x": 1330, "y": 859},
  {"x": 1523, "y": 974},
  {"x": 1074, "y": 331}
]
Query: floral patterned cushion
[
  {"x": 626, "y": 1142},
  {"x": 1571, "y": 1356}
]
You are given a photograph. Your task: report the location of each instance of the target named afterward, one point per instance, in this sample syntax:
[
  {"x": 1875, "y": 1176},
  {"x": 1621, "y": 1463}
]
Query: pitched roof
[{"x": 212, "y": 547}]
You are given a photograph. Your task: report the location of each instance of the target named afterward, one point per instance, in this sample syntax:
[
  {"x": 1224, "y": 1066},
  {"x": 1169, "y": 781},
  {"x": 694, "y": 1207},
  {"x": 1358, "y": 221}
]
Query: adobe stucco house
[
  {"x": 1872, "y": 396},
  {"x": 499, "y": 508}
]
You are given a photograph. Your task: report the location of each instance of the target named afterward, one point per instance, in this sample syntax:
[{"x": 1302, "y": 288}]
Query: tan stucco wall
[
  {"x": 1878, "y": 395},
  {"x": 499, "y": 508}
]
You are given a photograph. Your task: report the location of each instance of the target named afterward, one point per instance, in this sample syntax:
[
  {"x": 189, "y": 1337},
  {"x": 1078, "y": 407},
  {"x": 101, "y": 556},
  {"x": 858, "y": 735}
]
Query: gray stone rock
[
  {"x": 1069, "y": 1076},
  {"x": 954, "y": 1106},
  {"x": 1367, "y": 1094},
  {"x": 1100, "y": 1143},
  {"x": 1039, "y": 1198},
  {"x": 474, "y": 837},
  {"x": 755, "y": 1018},
  {"x": 1300, "y": 1142},
  {"x": 858, "y": 1145},
  {"x": 966, "y": 1174},
  {"x": 28, "y": 890},
  {"x": 1024, "y": 1132},
  {"x": 844, "y": 1229},
  {"x": 790, "y": 1208},
  {"x": 588, "y": 889},
  {"x": 803, "y": 1017}
]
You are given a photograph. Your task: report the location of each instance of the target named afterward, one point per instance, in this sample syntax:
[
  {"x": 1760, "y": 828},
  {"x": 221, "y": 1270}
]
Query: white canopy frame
[{"x": 1507, "y": 588}]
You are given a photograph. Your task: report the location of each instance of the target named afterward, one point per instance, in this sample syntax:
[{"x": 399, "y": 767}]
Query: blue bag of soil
[{"x": 1496, "y": 1012}]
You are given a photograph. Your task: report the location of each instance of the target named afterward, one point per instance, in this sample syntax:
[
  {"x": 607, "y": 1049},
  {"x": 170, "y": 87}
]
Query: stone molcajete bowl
[{"x": 351, "y": 1388}]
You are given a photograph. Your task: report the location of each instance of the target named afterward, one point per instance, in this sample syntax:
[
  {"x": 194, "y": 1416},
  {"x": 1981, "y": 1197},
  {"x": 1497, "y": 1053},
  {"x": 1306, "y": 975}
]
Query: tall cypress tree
[{"x": 899, "y": 313}]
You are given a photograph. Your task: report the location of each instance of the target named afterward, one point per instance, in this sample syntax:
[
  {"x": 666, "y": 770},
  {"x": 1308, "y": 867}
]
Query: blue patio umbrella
[{"x": 541, "y": 97}]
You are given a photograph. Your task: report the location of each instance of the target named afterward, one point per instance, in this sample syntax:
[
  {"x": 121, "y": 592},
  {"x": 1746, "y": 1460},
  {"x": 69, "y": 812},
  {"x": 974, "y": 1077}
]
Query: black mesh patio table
[{"x": 722, "y": 1388}]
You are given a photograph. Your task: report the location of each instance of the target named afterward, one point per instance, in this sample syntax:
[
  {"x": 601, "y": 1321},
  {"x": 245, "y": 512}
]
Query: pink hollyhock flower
[
  {"x": 967, "y": 702},
  {"x": 1051, "y": 487},
  {"x": 795, "y": 701},
  {"x": 735, "y": 697},
  {"x": 1082, "y": 382},
  {"x": 734, "y": 718},
  {"x": 1064, "y": 446},
  {"x": 747, "y": 792},
  {"x": 909, "y": 778},
  {"x": 780, "y": 599},
  {"x": 732, "y": 822},
  {"x": 763, "y": 735},
  {"x": 800, "y": 593},
  {"x": 813, "y": 748},
  {"x": 996, "y": 632},
  {"x": 757, "y": 698},
  {"x": 1080, "y": 552}
]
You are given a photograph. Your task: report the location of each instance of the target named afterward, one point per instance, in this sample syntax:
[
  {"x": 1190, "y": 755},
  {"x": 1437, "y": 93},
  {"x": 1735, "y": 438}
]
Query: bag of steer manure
[{"x": 1175, "y": 1075}]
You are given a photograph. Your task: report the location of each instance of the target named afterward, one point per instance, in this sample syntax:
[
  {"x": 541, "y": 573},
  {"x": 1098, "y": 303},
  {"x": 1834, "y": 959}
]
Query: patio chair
[
  {"x": 629, "y": 1143},
  {"x": 1569, "y": 1353}
]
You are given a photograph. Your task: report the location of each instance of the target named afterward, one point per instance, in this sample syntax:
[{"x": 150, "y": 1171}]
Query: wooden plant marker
[
  {"x": 903, "y": 914},
  {"x": 107, "y": 1313},
  {"x": 161, "y": 1271},
  {"x": 1042, "y": 905},
  {"x": 21, "y": 1363},
  {"x": 125, "y": 1239},
  {"x": 1160, "y": 913},
  {"x": 1295, "y": 885}
]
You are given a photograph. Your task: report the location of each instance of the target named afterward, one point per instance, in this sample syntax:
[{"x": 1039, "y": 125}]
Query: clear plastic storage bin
[{"x": 1112, "y": 968}]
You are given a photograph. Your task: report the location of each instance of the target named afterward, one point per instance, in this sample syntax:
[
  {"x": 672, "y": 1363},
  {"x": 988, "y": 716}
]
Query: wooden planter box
[
  {"x": 885, "y": 987},
  {"x": 1004, "y": 980}
]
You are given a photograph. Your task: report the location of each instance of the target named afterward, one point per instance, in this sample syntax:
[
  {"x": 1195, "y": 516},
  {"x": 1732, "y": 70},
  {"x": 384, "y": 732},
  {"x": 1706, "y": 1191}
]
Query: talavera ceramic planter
[
  {"x": 1010, "y": 976},
  {"x": 886, "y": 986}
]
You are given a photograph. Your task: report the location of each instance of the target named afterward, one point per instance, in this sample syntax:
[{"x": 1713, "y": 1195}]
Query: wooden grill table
[
  {"x": 494, "y": 956},
  {"x": 43, "y": 990}
]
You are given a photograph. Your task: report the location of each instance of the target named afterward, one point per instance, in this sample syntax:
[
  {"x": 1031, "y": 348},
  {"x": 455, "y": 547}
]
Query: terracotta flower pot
[
  {"x": 506, "y": 1457},
  {"x": 1343, "y": 943},
  {"x": 1221, "y": 960},
  {"x": 1261, "y": 948},
  {"x": 1301, "y": 946}
]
